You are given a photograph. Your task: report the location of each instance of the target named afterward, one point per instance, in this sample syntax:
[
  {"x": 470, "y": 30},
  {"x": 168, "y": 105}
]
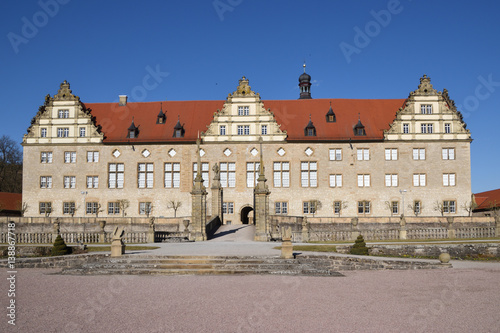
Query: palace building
[{"x": 322, "y": 157}]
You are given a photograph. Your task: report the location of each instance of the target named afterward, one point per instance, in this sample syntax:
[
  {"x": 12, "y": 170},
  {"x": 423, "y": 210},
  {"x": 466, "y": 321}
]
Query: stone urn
[
  {"x": 444, "y": 258},
  {"x": 102, "y": 224},
  {"x": 186, "y": 225}
]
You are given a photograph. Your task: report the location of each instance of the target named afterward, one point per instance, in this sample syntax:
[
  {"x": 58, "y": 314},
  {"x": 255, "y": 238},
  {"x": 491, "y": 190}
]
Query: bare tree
[
  {"x": 416, "y": 209},
  {"x": 439, "y": 207},
  {"x": 148, "y": 209},
  {"x": 98, "y": 210},
  {"x": 388, "y": 204},
  {"x": 23, "y": 207},
  {"x": 172, "y": 204},
  {"x": 11, "y": 165},
  {"x": 469, "y": 207},
  {"x": 342, "y": 205},
  {"x": 124, "y": 204},
  {"x": 494, "y": 208},
  {"x": 316, "y": 205}
]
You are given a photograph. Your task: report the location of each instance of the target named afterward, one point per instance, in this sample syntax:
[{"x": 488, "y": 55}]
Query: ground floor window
[
  {"x": 363, "y": 207},
  {"x": 92, "y": 208},
  {"x": 113, "y": 208},
  {"x": 45, "y": 208},
  {"x": 309, "y": 207},
  {"x": 69, "y": 207},
  {"x": 145, "y": 208},
  {"x": 337, "y": 207},
  {"x": 449, "y": 207},
  {"x": 281, "y": 207}
]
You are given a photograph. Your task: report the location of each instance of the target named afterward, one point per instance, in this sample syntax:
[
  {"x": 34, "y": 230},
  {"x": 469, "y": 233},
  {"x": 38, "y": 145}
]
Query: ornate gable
[
  {"x": 428, "y": 114},
  {"x": 63, "y": 119},
  {"x": 243, "y": 118}
]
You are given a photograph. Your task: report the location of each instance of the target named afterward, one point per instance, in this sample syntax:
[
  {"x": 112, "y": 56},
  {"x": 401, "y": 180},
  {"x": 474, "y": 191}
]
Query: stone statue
[
  {"x": 216, "y": 171},
  {"x": 402, "y": 220},
  {"x": 286, "y": 233},
  {"x": 117, "y": 244}
]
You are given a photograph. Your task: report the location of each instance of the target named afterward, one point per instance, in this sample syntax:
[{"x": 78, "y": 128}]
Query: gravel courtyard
[{"x": 463, "y": 299}]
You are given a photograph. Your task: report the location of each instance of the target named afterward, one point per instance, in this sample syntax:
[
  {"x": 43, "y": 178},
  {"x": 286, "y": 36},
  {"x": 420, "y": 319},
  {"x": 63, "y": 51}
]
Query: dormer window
[
  {"x": 133, "y": 131},
  {"x": 359, "y": 128},
  {"x": 330, "y": 115},
  {"x": 162, "y": 117},
  {"x": 178, "y": 129},
  {"x": 310, "y": 130}
]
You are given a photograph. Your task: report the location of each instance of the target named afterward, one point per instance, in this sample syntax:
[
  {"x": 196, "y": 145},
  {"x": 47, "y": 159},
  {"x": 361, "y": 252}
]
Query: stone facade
[{"x": 423, "y": 155}]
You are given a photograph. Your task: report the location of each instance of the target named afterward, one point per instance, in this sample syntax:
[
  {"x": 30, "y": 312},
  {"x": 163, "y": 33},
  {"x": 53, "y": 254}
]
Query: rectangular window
[
  {"x": 92, "y": 181},
  {"x": 363, "y": 207},
  {"x": 309, "y": 174},
  {"x": 145, "y": 208},
  {"x": 92, "y": 156},
  {"x": 406, "y": 128},
  {"x": 448, "y": 179},
  {"x": 243, "y": 129},
  {"x": 69, "y": 157},
  {"x": 252, "y": 173},
  {"x": 336, "y": 154},
  {"x": 45, "y": 208},
  {"x": 417, "y": 207},
  {"x": 243, "y": 110},
  {"x": 82, "y": 132},
  {"x": 43, "y": 132},
  {"x": 63, "y": 132},
  {"x": 228, "y": 174},
  {"x": 263, "y": 130},
  {"x": 172, "y": 175},
  {"x": 116, "y": 175},
  {"x": 91, "y": 208},
  {"x": 309, "y": 207},
  {"x": 449, "y": 207},
  {"x": 335, "y": 180},
  {"x": 281, "y": 207},
  {"x": 363, "y": 180},
  {"x": 426, "y": 109},
  {"x": 228, "y": 207},
  {"x": 448, "y": 153},
  {"x": 222, "y": 130},
  {"x": 46, "y": 157},
  {"x": 337, "y": 207},
  {"x": 113, "y": 208},
  {"x": 205, "y": 167},
  {"x": 427, "y": 128},
  {"x": 419, "y": 179},
  {"x": 394, "y": 207},
  {"x": 46, "y": 182},
  {"x": 69, "y": 207},
  {"x": 63, "y": 114},
  {"x": 363, "y": 154},
  {"x": 281, "y": 174},
  {"x": 391, "y": 154},
  {"x": 391, "y": 180},
  {"x": 69, "y": 181},
  {"x": 419, "y": 153},
  {"x": 145, "y": 175},
  {"x": 447, "y": 128}
]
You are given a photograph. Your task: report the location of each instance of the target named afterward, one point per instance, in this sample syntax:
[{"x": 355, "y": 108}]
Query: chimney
[{"x": 123, "y": 100}]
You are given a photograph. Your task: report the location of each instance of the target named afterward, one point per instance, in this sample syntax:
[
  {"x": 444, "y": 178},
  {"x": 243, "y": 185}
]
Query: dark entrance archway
[{"x": 245, "y": 211}]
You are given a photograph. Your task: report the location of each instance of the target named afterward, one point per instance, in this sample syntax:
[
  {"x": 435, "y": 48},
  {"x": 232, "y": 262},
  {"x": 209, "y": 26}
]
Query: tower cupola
[{"x": 305, "y": 84}]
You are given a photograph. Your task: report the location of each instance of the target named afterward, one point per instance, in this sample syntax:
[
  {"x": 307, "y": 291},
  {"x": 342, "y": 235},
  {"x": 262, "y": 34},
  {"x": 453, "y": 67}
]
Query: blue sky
[{"x": 199, "y": 50}]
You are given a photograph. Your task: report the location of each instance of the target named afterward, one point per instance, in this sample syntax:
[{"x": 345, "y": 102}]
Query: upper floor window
[
  {"x": 419, "y": 179},
  {"x": 70, "y": 157},
  {"x": 205, "y": 167},
  {"x": 243, "y": 129},
  {"x": 426, "y": 109},
  {"x": 309, "y": 174},
  {"x": 391, "y": 154},
  {"x": 336, "y": 154},
  {"x": 69, "y": 181},
  {"x": 243, "y": 110},
  {"x": 43, "y": 132},
  {"x": 363, "y": 154},
  {"x": 222, "y": 130},
  {"x": 228, "y": 174},
  {"x": 448, "y": 153},
  {"x": 263, "y": 130},
  {"x": 449, "y": 179},
  {"x": 92, "y": 181},
  {"x": 252, "y": 173},
  {"x": 419, "y": 153},
  {"x": 82, "y": 132},
  {"x": 63, "y": 132},
  {"x": 46, "y": 182},
  {"x": 145, "y": 175},
  {"x": 406, "y": 128},
  {"x": 447, "y": 128},
  {"x": 172, "y": 175},
  {"x": 92, "y": 156},
  {"x": 363, "y": 180},
  {"x": 116, "y": 175},
  {"x": 63, "y": 114},
  {"x": 281, "y": 174},
  {"x": 391, "y": 180},
  {"x": 335, "y": 180},
  {"x": 46, "y": 157},
  {"x": 427, "y": 128}
]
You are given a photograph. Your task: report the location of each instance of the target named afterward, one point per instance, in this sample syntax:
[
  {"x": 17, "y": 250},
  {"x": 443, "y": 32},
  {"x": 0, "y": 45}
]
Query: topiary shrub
[
  {"x": 359, "y": 247},
  {"x": 60, "y": 248}
]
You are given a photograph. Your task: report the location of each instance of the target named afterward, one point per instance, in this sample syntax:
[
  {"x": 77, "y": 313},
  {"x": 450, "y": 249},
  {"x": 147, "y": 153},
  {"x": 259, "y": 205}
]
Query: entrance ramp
[{"x": 234, "y": 233}]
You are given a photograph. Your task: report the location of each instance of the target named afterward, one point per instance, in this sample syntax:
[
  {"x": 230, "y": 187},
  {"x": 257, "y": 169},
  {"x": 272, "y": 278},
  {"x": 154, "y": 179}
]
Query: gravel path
[{"x": 453, "y": 300}]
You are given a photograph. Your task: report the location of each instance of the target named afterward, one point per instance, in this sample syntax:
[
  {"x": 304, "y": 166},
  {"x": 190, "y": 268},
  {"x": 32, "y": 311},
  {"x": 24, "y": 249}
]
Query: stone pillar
[
  {"x": 451, "y": 228},
  {"x": 217, "y": 195},
  {"x": 402, "y": 228},
  {"x": 305, "y": 229},
  {"x": 151, "y": 231},
  {"x": 198, "y": 204},
  {"x": 261, "y": 200},
  {"x": 56, "y": 230},
  {"x": 102, "y": 233},
  {"x": 286, "y": 245},
  {"x": 354, "y": 228},
  {"x": 117, "y": 244}
]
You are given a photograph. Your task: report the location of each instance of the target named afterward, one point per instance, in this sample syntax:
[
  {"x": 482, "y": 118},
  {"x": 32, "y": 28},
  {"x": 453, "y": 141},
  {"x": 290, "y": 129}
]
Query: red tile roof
[
  {"x": 293, "y": 115},
  {"x": 10, "y": 201},
  {"x": 485, "y": 200}
]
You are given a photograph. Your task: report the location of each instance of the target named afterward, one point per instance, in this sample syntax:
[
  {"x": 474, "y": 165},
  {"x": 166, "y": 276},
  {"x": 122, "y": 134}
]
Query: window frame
[
  {"x": 281, "y": 174},
  {"x": 336, "y": 152},
  {"x": 309, "y": 172},
  {"x": 172, "y": 175}
]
